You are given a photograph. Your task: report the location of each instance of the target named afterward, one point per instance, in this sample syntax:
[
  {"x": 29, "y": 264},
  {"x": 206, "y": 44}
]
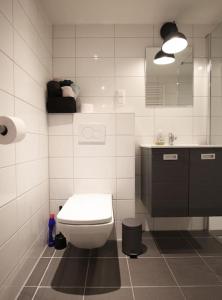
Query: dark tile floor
[{"x": 175, "y": 266}]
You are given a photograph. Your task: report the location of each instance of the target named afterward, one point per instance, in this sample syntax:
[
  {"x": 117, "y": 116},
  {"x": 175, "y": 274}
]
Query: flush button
[{"x": 91, "y": 134}]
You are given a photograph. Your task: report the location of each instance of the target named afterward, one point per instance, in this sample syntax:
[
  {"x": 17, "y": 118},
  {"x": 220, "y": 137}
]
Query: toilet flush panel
[{"x": 91, "y": 134}]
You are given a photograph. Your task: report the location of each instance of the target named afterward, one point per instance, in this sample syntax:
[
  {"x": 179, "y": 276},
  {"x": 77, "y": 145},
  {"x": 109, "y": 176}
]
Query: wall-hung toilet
[{"x": 87, "y": 219}]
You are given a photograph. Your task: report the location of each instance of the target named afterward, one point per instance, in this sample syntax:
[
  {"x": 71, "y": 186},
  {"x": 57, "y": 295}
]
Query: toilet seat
[{"x": 87, "y": 209}]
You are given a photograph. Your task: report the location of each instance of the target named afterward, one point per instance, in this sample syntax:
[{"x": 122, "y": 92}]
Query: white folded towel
[{"x": 67, "y": 91}]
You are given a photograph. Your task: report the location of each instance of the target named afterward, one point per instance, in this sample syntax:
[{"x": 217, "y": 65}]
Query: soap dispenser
[{"x": 160, "y": 139}]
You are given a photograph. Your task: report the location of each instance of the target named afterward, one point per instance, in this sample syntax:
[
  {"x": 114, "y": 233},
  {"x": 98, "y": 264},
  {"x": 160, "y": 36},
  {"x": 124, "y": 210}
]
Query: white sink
[{"x": 180, "y": 146}]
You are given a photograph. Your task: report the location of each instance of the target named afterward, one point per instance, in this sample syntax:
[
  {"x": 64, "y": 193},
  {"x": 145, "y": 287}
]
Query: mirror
[{"x": 169, "y": 84}]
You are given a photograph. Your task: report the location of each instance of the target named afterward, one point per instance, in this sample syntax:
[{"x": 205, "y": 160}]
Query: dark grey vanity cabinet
[
  {"x": 165, "y": 178},
  {"x": 205, "y": 189},
  {"x": 179, "y": 182}
]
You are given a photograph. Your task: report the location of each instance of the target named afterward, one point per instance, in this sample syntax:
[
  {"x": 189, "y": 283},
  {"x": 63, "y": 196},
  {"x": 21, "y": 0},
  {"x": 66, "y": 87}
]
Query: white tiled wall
[
  {"x": 25, "y": 66},
  {"x": 93, "y": 168},
  {"x": 105, "y": 58},
  {"x": 216, "y": 99}
]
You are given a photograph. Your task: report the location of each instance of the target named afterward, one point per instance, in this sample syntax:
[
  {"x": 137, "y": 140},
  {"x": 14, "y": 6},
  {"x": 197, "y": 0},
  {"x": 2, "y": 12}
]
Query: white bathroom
[{"x": 110, "y": 150}]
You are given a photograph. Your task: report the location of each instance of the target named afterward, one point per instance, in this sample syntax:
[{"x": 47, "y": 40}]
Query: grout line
[
  {"x": 30, "y": 273},
  {"x": 43, "y": 276},
  {"x": 174, "y": 277},
  {"x": 127, "y": 262}
]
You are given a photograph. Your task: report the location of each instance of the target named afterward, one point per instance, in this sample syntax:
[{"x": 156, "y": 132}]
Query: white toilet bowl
[{"x": 87, "y": 219}]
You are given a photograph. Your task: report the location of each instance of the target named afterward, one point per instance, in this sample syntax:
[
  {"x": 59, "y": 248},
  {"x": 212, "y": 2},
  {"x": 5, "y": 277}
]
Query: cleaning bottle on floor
[{"x": 51, "y": 225}]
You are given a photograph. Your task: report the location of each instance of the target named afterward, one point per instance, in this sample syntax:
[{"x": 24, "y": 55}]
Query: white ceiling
[{"x": 133, "y": 11}]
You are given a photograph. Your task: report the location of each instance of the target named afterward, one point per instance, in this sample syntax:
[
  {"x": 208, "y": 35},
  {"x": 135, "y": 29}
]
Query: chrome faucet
[{"x": 171, "y": 138}]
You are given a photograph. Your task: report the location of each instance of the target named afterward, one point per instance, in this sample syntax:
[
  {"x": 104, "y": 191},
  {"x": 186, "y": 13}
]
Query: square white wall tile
[
  {"x": 125, "y": 146},
  {"x": 94, "y": 67},
  {"x": 60, "y": 124},
  {"x": 63, "y": 67},
  {"x": 134, "y": 30},
  {"x": 61, "y": 188},
  {"x": 126, "y": 189},
  {"x": 94, "y": 30},
  {"x": 134, "y": 86},
  {"x": 6, "y": 8},
  {"x": 7, "y": 155},
  {"x": 125, "y": 124},
  {"x": 64, "y": 31},
  {"x": 132, "y": 47},
  {"x": 6, "y": 31},
  {"x": 61, "y": 167},
  {"x": 96, "y": 86},
  {"x": 7, "y": 184},
  {"x": 94, "y": 167},
  {"x": 95, "y": 47},
  {"x": 200, "y": 126},
  {"x": 8, "y": 256},
  {"x": 60, "y": 146},
  {"x": 64, "y": 47},
  {"x": 28, "y": 148},
  {"x": 6, "y": 75},
  {"x": 125, "y": 167},
  {"x": 8, "y": 221},
  {"x": 130, "y": 66},
  {"x": 95, "y": 186},
  {"x": 144, "y": 126}
]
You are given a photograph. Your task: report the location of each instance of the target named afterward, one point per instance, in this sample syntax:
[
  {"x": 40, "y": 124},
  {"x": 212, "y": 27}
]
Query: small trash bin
[{"x": 132, "y": 237}]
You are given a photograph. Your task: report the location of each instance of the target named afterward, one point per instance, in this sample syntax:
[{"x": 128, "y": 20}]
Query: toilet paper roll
[{"x": 15, "y": 130}]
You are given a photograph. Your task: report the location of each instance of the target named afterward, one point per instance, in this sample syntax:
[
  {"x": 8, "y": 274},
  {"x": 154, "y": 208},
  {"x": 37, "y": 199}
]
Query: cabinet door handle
[
  {"x": 170, "y": 156},
  {"x": 205, "y": 156}
]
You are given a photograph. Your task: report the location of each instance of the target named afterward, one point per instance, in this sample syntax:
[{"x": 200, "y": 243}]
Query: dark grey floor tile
[
  {"x": 72, "y": 251},
  {"x": 150, "y": 248},
  {"x": 38, "y": 272},
  {"x": 215, "y": 264},
  {"x": 207, "y": 246},
  {"x": 175, "y": 247},
  {"x": 203, "y": 293},
  {"x": 66, "y": 272},
  {"x": 108, "y": 272},
  {"x": 197, "y": 233},
  {"x": 166, "y": 234},
  {"x": 150, "y": 272},
  {"x": 192, "y": 271},
  {"x": 112, "y": 248},
  {"x": 108, "y": 294},
  {"x": 48, "y": 252},
  {"x": 158, "y": 293},
  {"x": 59, "y": 294},
  {"x": 27, "y": 293}
]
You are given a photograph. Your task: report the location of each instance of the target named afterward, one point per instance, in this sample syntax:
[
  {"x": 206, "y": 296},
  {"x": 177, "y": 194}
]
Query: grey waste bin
[{"x": 132, "y": 237}]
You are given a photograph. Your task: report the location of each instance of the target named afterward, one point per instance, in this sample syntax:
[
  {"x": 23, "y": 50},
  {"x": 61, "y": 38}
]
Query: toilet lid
[{"x": 87, "y": 209}]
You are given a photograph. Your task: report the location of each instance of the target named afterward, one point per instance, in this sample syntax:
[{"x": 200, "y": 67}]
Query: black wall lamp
[
  {"x": 162, "y": 58},
  {"x": 173, "y": 40}
]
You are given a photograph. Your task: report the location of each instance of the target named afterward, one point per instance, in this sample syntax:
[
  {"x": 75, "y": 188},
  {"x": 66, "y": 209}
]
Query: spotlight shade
[
  {"x": 174, "y": 41},
  {"x": 162, "y": 58}
]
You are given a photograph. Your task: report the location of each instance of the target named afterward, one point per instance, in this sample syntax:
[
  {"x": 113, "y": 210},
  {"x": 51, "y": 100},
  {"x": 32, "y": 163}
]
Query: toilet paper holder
[{"x": 3, "y": 130}]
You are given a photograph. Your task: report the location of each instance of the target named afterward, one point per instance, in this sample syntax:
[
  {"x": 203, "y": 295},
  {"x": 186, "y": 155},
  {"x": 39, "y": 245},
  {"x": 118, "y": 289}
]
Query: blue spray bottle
[{"x": 51, "y": 225}]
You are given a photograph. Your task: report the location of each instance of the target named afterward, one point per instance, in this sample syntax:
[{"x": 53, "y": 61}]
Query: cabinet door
[
  {"x": 170, "y": 182},
  {"x": 205, "y": 192}
]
